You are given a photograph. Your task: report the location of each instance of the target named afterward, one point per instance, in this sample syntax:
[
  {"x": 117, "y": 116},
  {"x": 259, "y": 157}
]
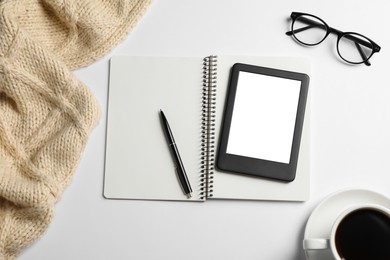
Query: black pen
[{"x": 175, "y": 152}]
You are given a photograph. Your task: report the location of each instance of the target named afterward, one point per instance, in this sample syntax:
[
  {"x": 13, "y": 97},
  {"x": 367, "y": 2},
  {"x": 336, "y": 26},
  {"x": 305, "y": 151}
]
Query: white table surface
[{"x": 350, "y": 137}]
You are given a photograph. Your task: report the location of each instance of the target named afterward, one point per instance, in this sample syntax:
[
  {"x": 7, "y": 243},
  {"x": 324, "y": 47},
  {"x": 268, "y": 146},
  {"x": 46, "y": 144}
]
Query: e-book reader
[{"x": 263, "y": 120}]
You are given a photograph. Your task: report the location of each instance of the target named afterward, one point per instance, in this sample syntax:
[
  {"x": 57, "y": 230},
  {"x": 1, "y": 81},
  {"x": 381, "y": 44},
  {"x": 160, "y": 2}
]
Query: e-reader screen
[{"x": 263, "y": 122}]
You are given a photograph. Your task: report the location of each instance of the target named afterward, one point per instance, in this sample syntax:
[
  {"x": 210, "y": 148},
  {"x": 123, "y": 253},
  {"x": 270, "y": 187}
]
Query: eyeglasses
[{"x": 352, "y": 47}]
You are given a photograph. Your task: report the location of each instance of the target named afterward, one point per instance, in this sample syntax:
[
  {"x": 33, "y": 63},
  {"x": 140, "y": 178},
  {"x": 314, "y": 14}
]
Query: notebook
[{"x": 190, "y": 91}]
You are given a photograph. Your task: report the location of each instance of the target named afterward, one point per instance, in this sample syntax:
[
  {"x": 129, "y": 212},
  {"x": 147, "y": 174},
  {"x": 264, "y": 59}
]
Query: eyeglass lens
[
  {"x": 309, "y": 30},
  {"x": 354, "y": 48},
  {"x": 351, "y": 47}
]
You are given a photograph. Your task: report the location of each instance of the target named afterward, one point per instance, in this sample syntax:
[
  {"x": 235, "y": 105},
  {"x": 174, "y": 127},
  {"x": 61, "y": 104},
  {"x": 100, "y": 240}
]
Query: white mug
[{"x": 330, "y": 242}]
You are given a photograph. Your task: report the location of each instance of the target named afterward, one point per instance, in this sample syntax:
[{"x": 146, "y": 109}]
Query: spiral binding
[{"x": 208, "y": 125}]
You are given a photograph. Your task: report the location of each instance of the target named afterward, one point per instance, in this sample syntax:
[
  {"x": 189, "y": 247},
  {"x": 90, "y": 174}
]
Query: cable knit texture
[{"x": 46, "y": 114}]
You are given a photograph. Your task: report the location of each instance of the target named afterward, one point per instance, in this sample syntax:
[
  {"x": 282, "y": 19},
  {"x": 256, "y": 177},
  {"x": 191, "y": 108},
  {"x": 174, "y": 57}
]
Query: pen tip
[{"x": 189, "y": 195}]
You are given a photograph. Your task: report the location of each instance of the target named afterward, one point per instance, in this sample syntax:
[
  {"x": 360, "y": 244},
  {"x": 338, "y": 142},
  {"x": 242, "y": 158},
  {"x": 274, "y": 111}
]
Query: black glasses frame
[{"x": 349, "y": 35}]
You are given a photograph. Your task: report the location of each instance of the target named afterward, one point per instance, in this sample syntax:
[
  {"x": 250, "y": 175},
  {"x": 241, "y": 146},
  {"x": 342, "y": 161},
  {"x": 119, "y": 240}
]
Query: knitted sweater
[{"x": 46, "y": 114}]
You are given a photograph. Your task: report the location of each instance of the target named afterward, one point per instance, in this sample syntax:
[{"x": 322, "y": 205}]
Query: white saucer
[{"x": 321, "y": 220}]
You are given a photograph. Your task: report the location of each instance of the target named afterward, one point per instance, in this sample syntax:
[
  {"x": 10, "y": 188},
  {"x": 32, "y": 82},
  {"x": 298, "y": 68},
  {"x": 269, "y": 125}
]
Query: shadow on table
[{"x": 300, "y": 253}]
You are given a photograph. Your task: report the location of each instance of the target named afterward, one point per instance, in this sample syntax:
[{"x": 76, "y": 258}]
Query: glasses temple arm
[
  {"x": 289, "y": 33},
  {"x": 311, "y": 24},
  {"x": 362, "y": 54},
  {"x": 361, "y": 41}
]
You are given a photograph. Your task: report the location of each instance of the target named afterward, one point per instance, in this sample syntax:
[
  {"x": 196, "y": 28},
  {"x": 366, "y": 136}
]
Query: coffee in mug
[
  {"x": 359, "y": 233},
  {"x": 364, "y": 234}
]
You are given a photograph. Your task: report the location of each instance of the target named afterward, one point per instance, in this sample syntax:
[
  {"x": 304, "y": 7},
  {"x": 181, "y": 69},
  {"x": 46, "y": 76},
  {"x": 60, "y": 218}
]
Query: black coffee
[{"x": 364, "y": 235}]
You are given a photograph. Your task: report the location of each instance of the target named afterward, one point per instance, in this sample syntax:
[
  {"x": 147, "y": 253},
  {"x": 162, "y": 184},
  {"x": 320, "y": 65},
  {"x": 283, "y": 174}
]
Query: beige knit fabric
[{"x": 46, "y": 114}]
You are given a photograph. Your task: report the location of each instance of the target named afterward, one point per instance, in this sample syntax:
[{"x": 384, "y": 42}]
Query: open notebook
[{"x": 138, "y": 162}]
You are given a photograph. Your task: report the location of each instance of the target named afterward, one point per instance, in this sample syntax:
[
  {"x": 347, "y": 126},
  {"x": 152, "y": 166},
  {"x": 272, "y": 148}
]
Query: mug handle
[{"x": 316, "y": 243}]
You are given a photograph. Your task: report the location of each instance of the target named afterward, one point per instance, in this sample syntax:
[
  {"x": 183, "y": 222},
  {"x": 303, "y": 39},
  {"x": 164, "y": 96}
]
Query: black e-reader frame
[{"x": 282, "y": 86}]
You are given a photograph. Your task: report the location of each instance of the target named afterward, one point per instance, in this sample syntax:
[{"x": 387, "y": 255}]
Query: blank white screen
[{"x": 264, "y": 115}]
